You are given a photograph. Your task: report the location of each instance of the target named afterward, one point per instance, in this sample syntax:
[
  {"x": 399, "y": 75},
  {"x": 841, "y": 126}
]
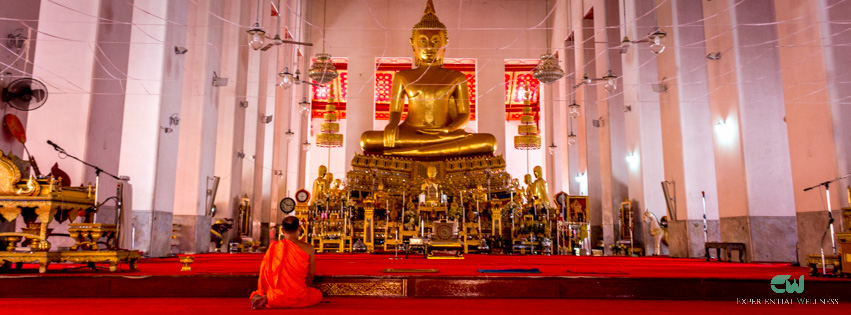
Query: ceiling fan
[
  {"x": 275, "y": 41},
  {"x": 278, "y": 41}
]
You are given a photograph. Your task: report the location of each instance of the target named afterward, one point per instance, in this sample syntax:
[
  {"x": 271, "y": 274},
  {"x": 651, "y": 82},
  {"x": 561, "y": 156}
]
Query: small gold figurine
[
  {"x": 540, "y": 187},
  {"x": 320, "y": 185},
  {"x": 430, "y": 188},
  {"x": 530, "y": 189}
]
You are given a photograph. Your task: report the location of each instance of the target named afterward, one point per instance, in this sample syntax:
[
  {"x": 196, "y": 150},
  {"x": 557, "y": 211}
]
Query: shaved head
[{"x": 290, "y": 224}]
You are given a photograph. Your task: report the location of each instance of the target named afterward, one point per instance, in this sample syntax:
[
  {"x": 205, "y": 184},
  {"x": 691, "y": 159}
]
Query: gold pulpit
[{"x": 37, "y": 199}]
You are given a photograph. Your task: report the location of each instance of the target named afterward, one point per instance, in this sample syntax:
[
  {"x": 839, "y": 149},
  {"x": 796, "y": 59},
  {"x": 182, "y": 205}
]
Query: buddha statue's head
[
  {"x": 337, "y": 183},
  {"x": 322, "y": 170},
  {"x": 538, "y": 171},
  {"x": 428, "y": 39},
  {"x": 527, "y": 179},
  {"x": 329, "y": 177},
  {"x": 515, "y": 182},
  {"x": 431, "y": 171}
]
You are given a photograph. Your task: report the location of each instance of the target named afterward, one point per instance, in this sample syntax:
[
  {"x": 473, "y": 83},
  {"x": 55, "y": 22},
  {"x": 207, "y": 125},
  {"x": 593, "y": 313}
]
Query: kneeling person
[{"x": 286, "y": 273}]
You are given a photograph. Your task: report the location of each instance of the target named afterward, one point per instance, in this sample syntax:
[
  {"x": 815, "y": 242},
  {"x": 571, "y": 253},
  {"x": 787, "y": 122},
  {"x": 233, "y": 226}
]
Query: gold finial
[
  {"x": 331, "y": 94},
  {"x": 429, "y": 7},
  {"x": 429, "y": 20}
]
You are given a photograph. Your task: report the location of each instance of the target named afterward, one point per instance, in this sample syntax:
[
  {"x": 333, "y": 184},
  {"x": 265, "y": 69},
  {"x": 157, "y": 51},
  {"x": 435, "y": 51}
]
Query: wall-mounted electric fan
[{"x": 25, "y": 94}]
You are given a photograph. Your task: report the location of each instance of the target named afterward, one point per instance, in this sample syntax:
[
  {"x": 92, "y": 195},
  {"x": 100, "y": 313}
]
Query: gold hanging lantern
[
  {"x": 329, "y": 136},
  {"x": 527, "y": 138}
]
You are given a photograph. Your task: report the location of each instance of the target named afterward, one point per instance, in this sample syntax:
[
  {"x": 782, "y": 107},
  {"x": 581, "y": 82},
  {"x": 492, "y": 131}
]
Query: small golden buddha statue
[
  {"x": 530, "y": 190},
  {"x": 411, "y": 206},
  {"x": 393, "y": 214},
  {"x": 320, "y": 185},
  {"x": 380, "y": 197},
  {"x": 438, "y": 104},
  {"x": 480, "y": 194},
  {"x": 455, "y": 211},
  {"x": 430, "y": 190},
  {"x": 335, "y": 192},
  {"x": 518, "y": 191},
  {"x": 540, "y": 187}
]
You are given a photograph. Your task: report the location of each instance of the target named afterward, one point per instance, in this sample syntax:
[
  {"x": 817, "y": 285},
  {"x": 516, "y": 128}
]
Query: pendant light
[
  {"x": 548, "y": 69},
  {"x": 257, "y": 33},
  {"x": 323, "y": 70}
]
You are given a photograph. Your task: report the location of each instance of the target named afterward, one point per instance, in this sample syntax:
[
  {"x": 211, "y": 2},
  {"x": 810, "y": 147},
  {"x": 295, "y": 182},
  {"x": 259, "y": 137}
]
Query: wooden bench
[{"x": 727, "y": 247}]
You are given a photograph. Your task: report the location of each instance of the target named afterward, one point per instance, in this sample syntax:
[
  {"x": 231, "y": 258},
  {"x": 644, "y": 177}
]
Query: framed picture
[{"x": 577, "y": 209}]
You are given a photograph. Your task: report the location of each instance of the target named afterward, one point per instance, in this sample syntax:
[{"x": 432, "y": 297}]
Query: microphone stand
[
  {"x": 98, "y": 171},
  {"x": 830, "y": 220},
  {"x": 705, "y": 230}
]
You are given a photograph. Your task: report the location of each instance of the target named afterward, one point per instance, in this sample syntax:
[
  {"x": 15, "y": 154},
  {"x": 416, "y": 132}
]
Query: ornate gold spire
[
  {"x": 429, "y": 20},
  {"x": 527, "y": 138}
]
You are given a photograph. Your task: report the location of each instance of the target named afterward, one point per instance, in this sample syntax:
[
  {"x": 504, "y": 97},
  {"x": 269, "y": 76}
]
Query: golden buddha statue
[
  {"x": 454, "y": 211},
  {"x": 438, "y": 104},
  {"x": 335, "y": 192},
  {"x": 539, "y": 187},
  {"x": 518, "y": 191},
  {"x": 530, "y": 190},
  {"x": 320, "y": 185},
  {"x": 430, "y": 190},
  {"x": 480, "y": 194},
  {"x": 380, "y": 197}
]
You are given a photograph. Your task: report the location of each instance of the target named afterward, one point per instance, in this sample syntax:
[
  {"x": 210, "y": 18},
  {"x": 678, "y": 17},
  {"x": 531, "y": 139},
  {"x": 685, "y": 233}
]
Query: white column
[
  {"x": 755, "y": 195},
  {"x": 230, "y": 133},
  {"x": 687, "y": 128},
  {"x": 148, "y": 153},
  {"x": 643, "y": 122},
  {"x": 198, "y": 119}
]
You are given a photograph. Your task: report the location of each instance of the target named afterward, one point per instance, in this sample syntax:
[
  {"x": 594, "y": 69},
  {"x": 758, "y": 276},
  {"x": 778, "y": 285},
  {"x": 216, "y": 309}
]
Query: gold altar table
[
  {"x": 43, "y": 259},
  {"x": 113, "y": 257}
]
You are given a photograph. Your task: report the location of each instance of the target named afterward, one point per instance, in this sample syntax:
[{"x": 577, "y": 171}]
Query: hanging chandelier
[
  {"x": 548, "y": 70},
  {"x": 323, "y": 70}
]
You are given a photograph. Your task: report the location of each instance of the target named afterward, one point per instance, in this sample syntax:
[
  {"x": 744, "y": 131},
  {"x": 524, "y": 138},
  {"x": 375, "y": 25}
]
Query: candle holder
[{"x": 186, "y": 260}]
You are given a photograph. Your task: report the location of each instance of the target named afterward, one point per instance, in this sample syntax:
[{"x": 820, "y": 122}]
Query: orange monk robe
[{"x": 283, "y": 275}]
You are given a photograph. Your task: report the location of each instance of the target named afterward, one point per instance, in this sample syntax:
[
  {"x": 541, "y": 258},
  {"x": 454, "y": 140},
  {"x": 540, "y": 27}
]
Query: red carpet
[
  {"x": 338, "y": 305},
  {"x": 364, "y": 264},
  {"x": 561, "y": 277}
]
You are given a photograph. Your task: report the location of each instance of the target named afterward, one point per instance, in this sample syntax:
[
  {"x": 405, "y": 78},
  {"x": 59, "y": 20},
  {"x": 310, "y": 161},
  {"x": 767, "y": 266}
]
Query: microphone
[{"x": 55, "y": 146}]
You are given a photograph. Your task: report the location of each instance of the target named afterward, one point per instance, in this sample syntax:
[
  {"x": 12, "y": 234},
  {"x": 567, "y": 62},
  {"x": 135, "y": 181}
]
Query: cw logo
[{"x": 791, "y": 287}]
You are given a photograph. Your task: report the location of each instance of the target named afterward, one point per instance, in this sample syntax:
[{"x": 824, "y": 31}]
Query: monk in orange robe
[{"x": 287, "y": 273}]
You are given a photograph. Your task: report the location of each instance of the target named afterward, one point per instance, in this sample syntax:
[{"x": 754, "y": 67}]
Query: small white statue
[{"x": 656, "y": 230}]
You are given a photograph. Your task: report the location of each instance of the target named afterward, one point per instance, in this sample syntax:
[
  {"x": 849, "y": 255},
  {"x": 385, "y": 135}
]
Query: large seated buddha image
[{"x": 438, "y": 102}]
